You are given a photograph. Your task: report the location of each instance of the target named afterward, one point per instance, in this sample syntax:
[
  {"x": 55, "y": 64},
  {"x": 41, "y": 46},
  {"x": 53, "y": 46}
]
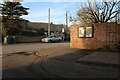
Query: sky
[{"x": 38, "y": 11}]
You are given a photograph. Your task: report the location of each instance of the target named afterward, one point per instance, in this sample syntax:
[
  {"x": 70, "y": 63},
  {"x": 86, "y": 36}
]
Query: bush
[
  {"x": 99, "y": 49},
  {"x": 11, "y": 27},
  {"x": 106, "y": 47},
  {"x": 117, "y": 46}
]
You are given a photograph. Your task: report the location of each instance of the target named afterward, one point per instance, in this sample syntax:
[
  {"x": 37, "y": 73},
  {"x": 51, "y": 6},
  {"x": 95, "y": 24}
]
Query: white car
[{"x": 52, "y": 38}]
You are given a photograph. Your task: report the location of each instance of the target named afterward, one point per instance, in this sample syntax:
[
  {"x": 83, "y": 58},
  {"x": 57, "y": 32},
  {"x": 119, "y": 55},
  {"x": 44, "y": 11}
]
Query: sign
[{"x": 63, "y": 30}]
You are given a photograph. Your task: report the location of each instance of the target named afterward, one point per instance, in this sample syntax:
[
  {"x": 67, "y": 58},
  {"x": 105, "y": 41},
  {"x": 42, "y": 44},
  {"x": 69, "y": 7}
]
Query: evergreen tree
[{"x": 11, "y": 12}]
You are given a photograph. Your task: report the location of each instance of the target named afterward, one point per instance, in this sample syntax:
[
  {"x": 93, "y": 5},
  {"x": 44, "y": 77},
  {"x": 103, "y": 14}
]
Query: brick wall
[{"x": 103, "y": 34}]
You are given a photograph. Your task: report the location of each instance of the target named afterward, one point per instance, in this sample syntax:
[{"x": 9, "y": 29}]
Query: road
[
  {"x": 52, "y": 60},
  {"x": 24, "y": 47}
]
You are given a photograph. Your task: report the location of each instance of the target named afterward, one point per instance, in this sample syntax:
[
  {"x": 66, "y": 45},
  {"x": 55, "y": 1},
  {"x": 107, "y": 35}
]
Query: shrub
[
  {"x": 117, "y": 46},
  {"x": 99, "y": 49},
  {"x": 106, "y": 47}
]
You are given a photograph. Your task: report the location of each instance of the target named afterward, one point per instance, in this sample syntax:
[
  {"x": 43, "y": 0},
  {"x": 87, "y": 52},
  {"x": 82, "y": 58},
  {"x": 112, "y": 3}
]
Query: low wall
[{"x": 103, "y": 34}]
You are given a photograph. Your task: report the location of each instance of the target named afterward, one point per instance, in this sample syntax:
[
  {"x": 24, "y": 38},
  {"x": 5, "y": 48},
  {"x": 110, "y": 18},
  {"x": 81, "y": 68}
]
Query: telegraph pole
[
  {"x": 118, "y": 16},
  {"x": 66, "y": 19},
  {"x": 49, "y": 22},
  {"x": 66, "y": 24},
  {"x": 94, "y": 5}
]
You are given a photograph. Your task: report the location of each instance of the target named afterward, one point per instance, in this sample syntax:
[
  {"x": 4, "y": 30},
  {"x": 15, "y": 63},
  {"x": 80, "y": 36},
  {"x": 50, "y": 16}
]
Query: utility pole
[
  {"x": 95, "y": 6},
  {"x": 66, "y": 24},
  {"x": 118, "y": 17},
  {"x": 66, "y": 19},
  {"x": 49, "y": 22}
]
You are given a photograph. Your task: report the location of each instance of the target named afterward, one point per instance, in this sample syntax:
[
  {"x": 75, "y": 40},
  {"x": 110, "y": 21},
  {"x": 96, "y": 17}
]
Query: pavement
[
  {"x": 96, "y": 58},
  {"x": 69, "y": 67},
  {"x": 102, "y": 58}
]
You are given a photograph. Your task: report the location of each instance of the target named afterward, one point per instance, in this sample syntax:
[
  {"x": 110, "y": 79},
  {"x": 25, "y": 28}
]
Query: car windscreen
[{"x": 50, "y": 36}]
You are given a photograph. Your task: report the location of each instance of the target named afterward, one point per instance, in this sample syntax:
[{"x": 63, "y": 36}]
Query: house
[{"x": 93, "y": 36}]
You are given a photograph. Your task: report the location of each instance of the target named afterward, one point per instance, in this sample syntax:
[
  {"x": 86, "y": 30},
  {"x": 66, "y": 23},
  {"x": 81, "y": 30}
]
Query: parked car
[{"x": 52, "y": 38}]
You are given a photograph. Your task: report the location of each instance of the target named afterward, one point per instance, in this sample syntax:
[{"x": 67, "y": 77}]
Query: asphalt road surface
[
  {"x": 12, "y": 48},
  {"x": 52, "y": 60}
]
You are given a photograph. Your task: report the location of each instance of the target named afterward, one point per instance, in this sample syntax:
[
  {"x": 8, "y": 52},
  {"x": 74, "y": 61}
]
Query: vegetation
[
  {"x": 117, "y": 46},
  {"x": 11, "y": 12},
  {"x": 102, "y": 12},
  {"x": 11, "y": 27},
  {"x": 107, "y": 48}
]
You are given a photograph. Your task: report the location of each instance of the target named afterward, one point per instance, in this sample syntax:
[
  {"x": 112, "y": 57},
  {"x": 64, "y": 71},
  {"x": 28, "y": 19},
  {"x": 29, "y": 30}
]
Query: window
[
  {"x": 81, "y": 32},
  {"x": 85, "y": 32},
  {"x": 88, "y": 32}
]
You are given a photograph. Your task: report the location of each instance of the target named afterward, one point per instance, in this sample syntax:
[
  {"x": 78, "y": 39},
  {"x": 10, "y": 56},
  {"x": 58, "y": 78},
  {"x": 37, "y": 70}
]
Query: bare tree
[{"x": 105, "y": 12}]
